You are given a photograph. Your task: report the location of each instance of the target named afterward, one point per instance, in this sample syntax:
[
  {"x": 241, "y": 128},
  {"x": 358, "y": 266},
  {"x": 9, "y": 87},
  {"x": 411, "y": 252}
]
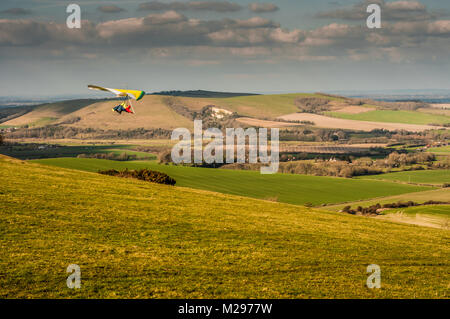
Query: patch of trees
[
  {"x": 61, "y": 132},
  {"x": 141, "y": 174},
  {"x": 110, "y": 156},
  {"x": 295, "y": 121},
  {"x": 311, "y": 134},
  {"x": 312, "y": 104},
  {"x": 2, "y": 139},
  {"x": 396, "y": 160},
  {"x": 202, "y": 93},
  {"x": 326, "y": 168},
  {"x": 177, "y": 106},
  {"x": 378, "y": 208},
  {"x": 352, "y": 166}
]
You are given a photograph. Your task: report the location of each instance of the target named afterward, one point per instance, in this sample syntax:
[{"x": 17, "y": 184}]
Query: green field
[
  {"x": 286, "y": 188},
  {"x": 25, "y": 151},
  {"x": 141, "y": 240},
  {"x": 442, "y": 195},
  {"x": 437, "y": 216},
  {"x": 407, "y": 117},
  {"x": 440, "y": 150},
  {"x": 264, "y": 106},
  {"x": 437, "y": 210},
  {"x": 432, "y": 177}
]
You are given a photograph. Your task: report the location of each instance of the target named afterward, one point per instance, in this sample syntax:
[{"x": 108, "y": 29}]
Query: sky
[{"x": 234, "y": 46}]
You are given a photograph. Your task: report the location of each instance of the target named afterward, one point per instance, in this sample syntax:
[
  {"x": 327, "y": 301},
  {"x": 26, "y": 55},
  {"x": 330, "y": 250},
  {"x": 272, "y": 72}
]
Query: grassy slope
[
  {"x": 262, "y": 106},
  {"x": 437, "y": 216},
  {"x": 151, "y": 112},
  {"x": 407, "y": 117},
  {"x": 440, "y": 150},
  {"x": 47, "y": 113},
  {"x": 438, "y": 210},
  {"x": 442, "y": 194},
  {"x": 433, "y": 177},
  {"x": 287, "y": 188},
  {"x": 158, "y": 241}
]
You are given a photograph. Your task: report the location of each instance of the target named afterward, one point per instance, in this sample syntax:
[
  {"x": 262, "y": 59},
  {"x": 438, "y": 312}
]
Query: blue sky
[{"x": 282, "y": 46}]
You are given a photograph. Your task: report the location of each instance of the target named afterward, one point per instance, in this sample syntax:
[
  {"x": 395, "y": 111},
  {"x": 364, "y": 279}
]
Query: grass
[
  {"x": 430, "y": 177},
  {"x": 50, "y": 112},
  {"x": 442, "y": 194},
  {"x": 264, "y": 106},
  {"x": 440, "y": 150},
  {"x": 288, "y": 188},
  {"x": 438, "y": 210},
  {"x": 33, "y": 152},
  {"x": 437, "y": 216},
  {"x": 134, "y": 239},
  {"x": 42, "y": 121},
  {"x": 406, "y": 117}
]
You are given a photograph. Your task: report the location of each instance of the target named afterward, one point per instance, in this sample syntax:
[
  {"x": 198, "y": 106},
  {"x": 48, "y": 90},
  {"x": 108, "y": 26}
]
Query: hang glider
[{"x": 126, "y": 105}]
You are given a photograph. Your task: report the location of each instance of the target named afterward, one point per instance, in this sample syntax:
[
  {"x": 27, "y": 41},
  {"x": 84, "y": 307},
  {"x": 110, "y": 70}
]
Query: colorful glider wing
[{"x": 134, "y": 94}]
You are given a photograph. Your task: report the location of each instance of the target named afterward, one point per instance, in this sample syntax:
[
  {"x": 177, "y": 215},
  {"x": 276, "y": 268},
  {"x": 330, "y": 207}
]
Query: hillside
[
  {"x": 49, "y": 113},
  {"x": 151, "y": 112},
  {"x": 178, "y": 110},
  {"x": 285, "y": 188},
  {"x": 155, "y": 241}
]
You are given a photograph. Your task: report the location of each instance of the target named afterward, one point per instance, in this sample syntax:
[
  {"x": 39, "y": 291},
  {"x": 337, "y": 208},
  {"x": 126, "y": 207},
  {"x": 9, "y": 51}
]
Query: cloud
[
  {"x": 16, "y": 11},
  {"x": 217, "y": 6},
  {"x": 391, "y": 11},
  {"x": 172, "y": 35},
  {"x": 167, "y": 17},
  {"x": 262, "y": 7},
  {"x": 110, "y": 9}
]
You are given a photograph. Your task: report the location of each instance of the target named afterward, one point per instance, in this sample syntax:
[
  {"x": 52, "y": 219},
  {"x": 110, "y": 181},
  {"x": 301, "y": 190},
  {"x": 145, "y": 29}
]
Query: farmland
[
  {"x": 431, "y": 177},
  {"x": 440, "y": 150},
  {"x": 157, "y": 241},
  {"x": 347, "y": 121},
  {"x": 286, "y": 188},
  {"x": 442, "y": 194},
  {"x": 437, "y": 216},
  {"x": 35, "y": 151},
  {"x": 389, "y": 116}
]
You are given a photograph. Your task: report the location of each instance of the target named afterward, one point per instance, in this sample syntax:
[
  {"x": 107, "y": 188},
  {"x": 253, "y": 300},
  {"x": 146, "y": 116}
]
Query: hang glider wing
[{"x": 134, "y": 94}]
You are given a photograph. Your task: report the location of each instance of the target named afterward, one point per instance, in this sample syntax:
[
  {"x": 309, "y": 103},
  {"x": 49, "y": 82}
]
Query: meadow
[
  {"x": 442, "y": 194},
  {"x": 134, "y": 239},
  {"x": 263, "y": 106},
  {"x": 440, "y": 150},
  {"x": 286, "y": 188},
  {"x": 430, "y": 177},
  {"x": 437, "y": 216},
  {"x": 35, "y": 151}
]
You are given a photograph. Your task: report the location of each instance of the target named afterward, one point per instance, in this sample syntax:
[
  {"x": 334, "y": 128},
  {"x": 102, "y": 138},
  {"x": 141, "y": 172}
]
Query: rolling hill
[
  {"x": 286, "y": 188},
  {"x": 142, "y": 240},
  {"x": 49, "y": 113},
  {"x": 169, "y": 112}
]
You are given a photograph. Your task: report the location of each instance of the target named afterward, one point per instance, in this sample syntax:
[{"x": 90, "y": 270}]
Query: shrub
[{"x": 142, "y": 174}]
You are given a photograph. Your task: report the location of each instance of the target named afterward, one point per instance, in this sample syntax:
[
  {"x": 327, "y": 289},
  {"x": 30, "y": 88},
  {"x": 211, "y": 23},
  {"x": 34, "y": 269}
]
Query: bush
[
  {"x": 2, "y": 139},
  {"x": 142, "y": 174},
  {"x": 109, "y": 156}
]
